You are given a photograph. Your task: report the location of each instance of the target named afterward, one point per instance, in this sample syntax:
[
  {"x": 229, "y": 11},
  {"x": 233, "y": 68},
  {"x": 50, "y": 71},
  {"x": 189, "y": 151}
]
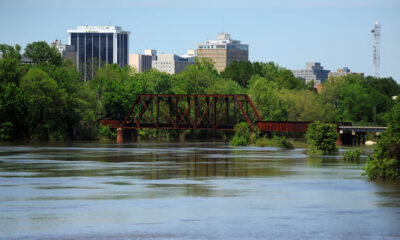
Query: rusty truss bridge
[
  {"x": 184, "y": 112},
  {"x": 212, "y": 112}
]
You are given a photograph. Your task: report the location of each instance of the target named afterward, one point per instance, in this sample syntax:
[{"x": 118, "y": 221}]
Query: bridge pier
[
  {"x": 126, "y": 135},
  {"x": 355, "y": 135},
  {"x": 339, "y": 141}
]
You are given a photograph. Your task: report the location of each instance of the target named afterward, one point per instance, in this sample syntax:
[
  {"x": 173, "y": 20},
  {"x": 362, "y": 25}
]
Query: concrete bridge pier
[{"x": 126, "y": 135}]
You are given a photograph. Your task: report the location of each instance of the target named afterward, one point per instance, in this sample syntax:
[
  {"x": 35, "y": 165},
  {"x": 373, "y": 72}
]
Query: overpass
[{"x": 355, "y": 135}]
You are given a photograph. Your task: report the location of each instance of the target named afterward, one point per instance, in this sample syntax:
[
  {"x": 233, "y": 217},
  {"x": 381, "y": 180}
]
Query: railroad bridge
[{"x": 212, "y": 112}]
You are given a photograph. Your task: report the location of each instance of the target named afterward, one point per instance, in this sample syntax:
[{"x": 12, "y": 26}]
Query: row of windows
[
  {"x": 212, "y": 46},
  {"x": 239, "y": 47},
  {"x": 99, "y": 46}
]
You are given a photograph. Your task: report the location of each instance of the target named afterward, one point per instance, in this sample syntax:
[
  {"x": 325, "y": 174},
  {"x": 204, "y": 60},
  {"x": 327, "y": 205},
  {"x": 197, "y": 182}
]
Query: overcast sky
[{"x": 290, "y": 33}]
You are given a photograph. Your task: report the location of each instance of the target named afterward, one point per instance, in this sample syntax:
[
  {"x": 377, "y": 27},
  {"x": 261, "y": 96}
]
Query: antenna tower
[{"x": 377, "y": 48}]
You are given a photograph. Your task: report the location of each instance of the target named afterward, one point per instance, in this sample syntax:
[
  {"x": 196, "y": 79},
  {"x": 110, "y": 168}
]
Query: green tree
[
  {"x": 384, "y": 163},
  {"x": 41, "y": 52},
  {"x": 305, "y": 105},
  {"x": 355, "y": 104},
  {"x": 13, "y": 110},
  {"x": 265, "y": 96},
  {"x": 242, "y": 135},
  {"x": 332, "y": 91},
  {"x": 274, "y": 73},
  {"x": 386, "y": 86},
  {"x": 239, "y": 71},
  {"x": 151, "y": 81},
  {"x": 321, "y": 138},
  {"x": 196, "y": 78},
  {"x": 11, "y": 68},
  {"x": 358, "y": 99},
  {"x": 114, "y": 98},
  {"x": 225, "y": 86},
  {"x": 47, "y": 105}
]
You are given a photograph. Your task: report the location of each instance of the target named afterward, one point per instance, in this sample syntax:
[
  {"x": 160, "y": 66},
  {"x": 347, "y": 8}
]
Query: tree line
[{"x": 49, "y": 100}]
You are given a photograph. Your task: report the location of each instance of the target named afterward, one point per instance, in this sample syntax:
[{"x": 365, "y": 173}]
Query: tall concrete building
[
  {"x": 223, "y": 51},
  {"x": 140, "y": 62},
  {"x": 313, "y": 72},
  {"x": 170, "y": 63},
  {"x": 152, "y": 53},
  {"x": 96, "y": 45}
]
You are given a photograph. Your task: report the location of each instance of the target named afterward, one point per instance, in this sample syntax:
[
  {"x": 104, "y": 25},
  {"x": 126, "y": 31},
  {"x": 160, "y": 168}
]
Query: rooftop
[{"x": 98, "y": 29}]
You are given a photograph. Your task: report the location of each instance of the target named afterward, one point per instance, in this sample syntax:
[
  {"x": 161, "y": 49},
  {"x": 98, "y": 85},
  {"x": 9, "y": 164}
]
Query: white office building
[{"x": 170, "y": 63}]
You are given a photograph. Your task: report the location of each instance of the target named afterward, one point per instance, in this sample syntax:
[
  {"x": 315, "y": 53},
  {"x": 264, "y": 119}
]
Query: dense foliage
[
  {"x": 352, "y": 155},
  {"x": 384, "y": 163},
  {"x": 49, "y": 100},
  {"x": 321, "y": 138},
  {"x": 358, "y": 99},
  {"x": 242, "y": 135}
]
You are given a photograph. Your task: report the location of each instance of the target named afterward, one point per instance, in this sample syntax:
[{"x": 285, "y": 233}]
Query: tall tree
[
  {"x": 196, "y": 78},
  {"x": 239, "y": 71},
  {"x": 305, "y": 105},
  {"x": 13, "y": 111},
  {"x": 11, "y": 68},
  {"x": 283, "y": 77},
  {"x": 264, "y": 94},
  {"x": 41, "y": 52},
  {"x": 47, "y": 105},
  {"x": 113, "y": 96}
]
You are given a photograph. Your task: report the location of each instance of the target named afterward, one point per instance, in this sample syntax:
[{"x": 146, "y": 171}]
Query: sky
[{"x": 336, "y": 33}]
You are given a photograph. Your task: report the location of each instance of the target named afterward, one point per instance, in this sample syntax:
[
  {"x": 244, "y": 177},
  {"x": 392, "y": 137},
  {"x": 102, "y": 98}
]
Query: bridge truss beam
[{"x": 218, "y": 112}]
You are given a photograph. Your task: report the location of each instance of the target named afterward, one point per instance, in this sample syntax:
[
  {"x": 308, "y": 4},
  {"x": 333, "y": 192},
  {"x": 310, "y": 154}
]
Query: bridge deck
[{"x": 362, "y": 129}]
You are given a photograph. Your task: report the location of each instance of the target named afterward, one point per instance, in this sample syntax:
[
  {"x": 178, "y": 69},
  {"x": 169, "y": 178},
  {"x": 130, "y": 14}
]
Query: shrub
[
  {"x": 262, "y": 142},
  {"x": 283, "y": 143},
  {"x": 148, "y": 133},
  {"x": 6, "y": 130},
  {"x": 321, "y": 138},
  {"x": 280, "y": 142},
  {"x": 57, "y": 135},
  {"x": 314, "y": 151},
  {"x": 352, "y": 155},
  {"x": 242, "y": 135},
  {"x": 105, "y": 131},
  {"x": 384, "y": 163}
]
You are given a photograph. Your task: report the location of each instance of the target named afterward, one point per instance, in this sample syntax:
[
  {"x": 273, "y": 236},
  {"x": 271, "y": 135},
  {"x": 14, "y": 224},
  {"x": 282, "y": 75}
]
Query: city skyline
[{"x": 290, "y": 33}]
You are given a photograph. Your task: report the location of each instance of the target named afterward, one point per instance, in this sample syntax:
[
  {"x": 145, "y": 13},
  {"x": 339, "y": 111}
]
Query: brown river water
[{"x": 202, "y": 190}]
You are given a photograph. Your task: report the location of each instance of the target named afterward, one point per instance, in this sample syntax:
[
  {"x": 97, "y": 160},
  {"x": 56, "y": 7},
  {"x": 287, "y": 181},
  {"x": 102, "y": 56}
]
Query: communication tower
[{"x": 377, "y": 48}]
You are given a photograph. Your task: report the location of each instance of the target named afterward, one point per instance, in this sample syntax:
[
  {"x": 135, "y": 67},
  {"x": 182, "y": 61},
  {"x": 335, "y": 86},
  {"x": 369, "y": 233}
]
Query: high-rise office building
[
  {"x": 152, "y": 53},
  {"x": 97, "y": 45},
  {"x": 223, "y": 51},
  {"x": 313, "y": 72}
]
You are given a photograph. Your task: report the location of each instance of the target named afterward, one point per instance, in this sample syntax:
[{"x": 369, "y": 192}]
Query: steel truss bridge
[
  {"x": 212, "y": 112},
  {"x": 183, "y": 112}
]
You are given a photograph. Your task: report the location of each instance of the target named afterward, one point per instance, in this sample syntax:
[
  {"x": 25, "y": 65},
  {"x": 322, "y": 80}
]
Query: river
[{"x": 202, "y": 190}]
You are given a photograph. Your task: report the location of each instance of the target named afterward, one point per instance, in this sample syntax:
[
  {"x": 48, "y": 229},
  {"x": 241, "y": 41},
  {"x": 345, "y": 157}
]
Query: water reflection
[{"x": 152, "y": 163}]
